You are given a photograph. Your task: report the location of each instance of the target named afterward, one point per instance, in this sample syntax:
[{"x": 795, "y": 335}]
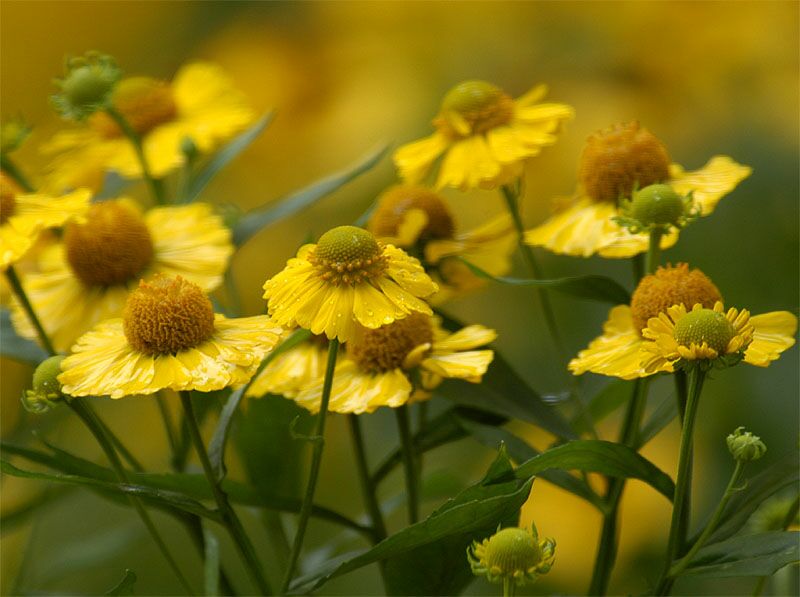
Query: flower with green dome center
[
  {"x": 512, "y": 554},
  {"x": 87, "y": 85},
  {"x": 46, "y": 389},
  {"x": 657, "y": 206},
  {"x": 705, "y": 326}
]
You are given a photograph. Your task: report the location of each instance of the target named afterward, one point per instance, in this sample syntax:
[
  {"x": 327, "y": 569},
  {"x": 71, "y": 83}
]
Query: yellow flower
[
  {"x": 621, "y": 350},
  {"x": 348, "y": 278},
  {"x": 24, "y": 216},
  {"x": 375, "y": 370},
  {"x": 168, "y": 337},
  {"x": 417, "y": 219},
  {"x": 292, "y": 370},
  {"x": 613, "y": 164},
  {"x": 88, "y": 277},
  {"x": 200, "y": 103},
  {"x": 485, "y": 137},
  {"x": 512, "y": 554}
]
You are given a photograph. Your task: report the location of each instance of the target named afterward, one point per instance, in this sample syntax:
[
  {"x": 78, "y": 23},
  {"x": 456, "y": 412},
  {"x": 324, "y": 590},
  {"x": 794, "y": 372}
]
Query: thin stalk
[
  {"x": 681, "y": 395},
  {"x": 511, "y": 197},
  {"x": 156, "y": 188},
  {"x": 87, "y": 415},
  {"x": 9, "y": 167},
  {"x": 316, "y": 462},
  {"x": 194, "y": 527},
  {"x": 653, "y": 251},
  {"x": 791, "y": 515},
  {"x": 712, "y": 524},
  {"x": 367, "y": 488},
  {"x": 409, "y": 463},
  {"x": 509, "y": 587},
  {"x": 422, "y": 423},
  {"x": 607, "y": 548},
  {"x": 679, "y": 502},
  {"x": 19, "y": 292},
  {"x": 229, "y": 517}
]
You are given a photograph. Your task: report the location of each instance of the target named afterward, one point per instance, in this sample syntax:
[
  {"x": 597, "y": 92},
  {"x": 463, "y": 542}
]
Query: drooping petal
[
  {"x": 414, "y": 160},
  {"x": 774, "y": 333},
  {"x": 711, "y": 183}
]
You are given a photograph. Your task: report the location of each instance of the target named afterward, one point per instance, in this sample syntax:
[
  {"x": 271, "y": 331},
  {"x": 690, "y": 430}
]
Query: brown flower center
[
  {"x": 621, "y": 158},
  {"x": 385, "y": 348},
  {"x": 113, "y": 246},
  {"x": 145, "y": 103},
  {"x": 8, "y": 199},
  {"x": 348, "y": 255},
  {"x": 397, "y": 201},
  {"x": 166, "y": 316},
  {"x": 473, "y": 108},
  {"x": 671, "y": 286}
]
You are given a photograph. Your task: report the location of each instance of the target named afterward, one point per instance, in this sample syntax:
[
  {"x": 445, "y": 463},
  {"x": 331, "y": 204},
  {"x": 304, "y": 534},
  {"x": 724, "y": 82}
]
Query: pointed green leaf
[
  {"x": 216, "y": 447},
  {"x": 16, "y": 347},
  {"x": 124, "y": 586},
  {"x": 759, "y": 554},
  {"x": 258, "y": 219},
  {"x": 592, "y": 287}
]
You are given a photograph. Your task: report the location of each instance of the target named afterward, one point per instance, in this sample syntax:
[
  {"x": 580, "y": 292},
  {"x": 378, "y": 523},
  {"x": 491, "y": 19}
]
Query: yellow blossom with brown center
[
  {"x": 145, "y": 103},
  {"x": 386, "y": 348},
  {"x": 473, "y": 108},
  {"x": 398, "y": 201}
]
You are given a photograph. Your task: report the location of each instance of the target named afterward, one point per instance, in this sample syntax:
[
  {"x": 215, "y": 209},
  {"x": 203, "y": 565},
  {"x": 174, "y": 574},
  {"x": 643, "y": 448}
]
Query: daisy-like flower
[
  {"x": 484, "y": 135},
  {"x": 418, "y": 220},
  {"x": 377, "y": 366},
  {"x": 168, "y": 337},
  {"x": 88, "y": 277},
  {"x": 24, "y": 216},
  {"x": 347, "y": 279},
  {"x": 200, "y": 103},
  {"x": 620, "y": 350},
  {"x": 614, "y": 163},
  {"x": 512, "y": 555}
]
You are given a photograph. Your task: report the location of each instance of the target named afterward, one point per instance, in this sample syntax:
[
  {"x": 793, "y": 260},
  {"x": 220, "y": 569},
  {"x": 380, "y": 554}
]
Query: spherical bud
[
  {"x": 87, "y": 85},
  {"x": 12, "y": 134},
  {"x": 46, "y": 390},
  {"x": 744, "y": 446},
  {"x": 657, "y": 206}
]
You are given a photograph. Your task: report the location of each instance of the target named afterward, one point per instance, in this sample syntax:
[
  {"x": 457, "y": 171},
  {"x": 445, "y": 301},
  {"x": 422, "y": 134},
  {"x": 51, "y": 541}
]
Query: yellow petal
[
  {"x": 469, "y": 165},
  {"x": 413, "y": 160},
  {"x": 466, "y": 338},
  {"x": 711, "y": 183},
  {"x": 774, "y": 333},
  {"x": 469, "y": 365}
]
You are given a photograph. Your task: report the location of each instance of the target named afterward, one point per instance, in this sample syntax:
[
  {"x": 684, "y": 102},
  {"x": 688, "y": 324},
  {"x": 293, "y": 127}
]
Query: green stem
[
  {"x": 790, "y": 517},
  {"x": 509, "y": 587},
  {"x": 156, "y": 188},
  {"x": 681, "y": 395},
  {"x": 712, "y": 524},
  {"x": 422, "y": 423},
  {"x": 19, "y": 292},
  {"x": 679, "y": 502},
  {"x": 229, "y": 517},
  {"x": 367, "y": 488},
  {"x": 316, "y": 461},
  {"x": 653, "y": 251},
  {"x": 511, "y": 196},
  {"x": 88, "y": 416},
  {"x": 9, "y": 167},
  {"x": 607, "y": 548},
  {"x": 409, "y": 464}
]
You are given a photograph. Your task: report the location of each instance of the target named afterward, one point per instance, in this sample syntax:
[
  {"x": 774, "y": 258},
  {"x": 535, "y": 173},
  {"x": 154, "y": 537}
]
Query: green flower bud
[
  {"x": 46, "y": 391},
  {"x": 744, "y": 446},
  {"x": 512, "y": 553},
  {"x": 12, "y": 134},
  {"x": 87, "y": 85},
  {"x": 656, "y": 206}
]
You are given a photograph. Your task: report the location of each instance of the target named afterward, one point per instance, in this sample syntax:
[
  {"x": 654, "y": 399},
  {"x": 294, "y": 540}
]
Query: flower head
[
  {"x": 418, "y": 220},
  {"x": 23, "y": 216},
  {"x": 87, "y": 85},
  {"x": 348, "y": 278},
  {"x": 87, "y": 278},
  {"x": 744, "y": 446},
  {"x": 168, "y": 337},
  {"x": 46, "y": 390},
  {"x": 615, "y": 163},
  {"x": 199, "y": 103},
  {"x": 514, "y": 554},
  {"x": 380, "y": 365},
  {"x": 13, "y": 133},
  {"x": 485, "y": 136}
]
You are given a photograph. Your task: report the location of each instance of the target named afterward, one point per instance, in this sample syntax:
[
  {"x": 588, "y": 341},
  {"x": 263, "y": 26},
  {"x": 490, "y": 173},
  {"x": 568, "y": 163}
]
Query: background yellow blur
[{"x": 344, "y": 77}]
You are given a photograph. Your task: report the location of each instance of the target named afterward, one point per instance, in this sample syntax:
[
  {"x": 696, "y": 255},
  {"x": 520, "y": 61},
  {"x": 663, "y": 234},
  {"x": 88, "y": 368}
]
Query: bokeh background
[{"x": 344, "y": 77}]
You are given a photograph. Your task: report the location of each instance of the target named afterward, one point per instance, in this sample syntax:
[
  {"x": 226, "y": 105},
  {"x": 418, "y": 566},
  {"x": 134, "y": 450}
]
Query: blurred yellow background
[{"x": 344, "y": 77}]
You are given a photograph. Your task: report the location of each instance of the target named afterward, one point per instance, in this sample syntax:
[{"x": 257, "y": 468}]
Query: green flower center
[
  {"x": 348, "y": 255},
  {"x": 396, "y": 202},
  {"x": 512, "y": 549},
  {"x": 89, "y": 85},
  {"x": 657, "y": 205},
  {"x": 166, "y": 316},
  {"x": 480, "y": 104},
  {"x": 705, "y": 325},
  {"x": 113, "y": 246},
  {"x": 145, "y": 103},
  {"x": 385, "y": 348},
  {"x": 45, "y": 378}
]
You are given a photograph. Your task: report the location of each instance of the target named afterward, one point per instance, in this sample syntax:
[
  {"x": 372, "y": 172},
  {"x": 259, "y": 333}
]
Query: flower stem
[
  {"x": 409, "y": 462},
  {"x": 9, "y": 167},
  {"x": 653, "y": 251},
  {"x": 156, "y": 188},
  {"x": 679, "y": 502},
  {"x": 509, "y": 587},
  {"x": 712, "y": 524},
  {"x": 88, "y": 416},
  {"x": 607, "y": 549},
  {"x": 229, "y": 517},
  {"x": 511, "y": 196},
  {"x": 19, "y": 292},
  {"x": 316, "y": 461},
  {"x": 367, "y": 488}
]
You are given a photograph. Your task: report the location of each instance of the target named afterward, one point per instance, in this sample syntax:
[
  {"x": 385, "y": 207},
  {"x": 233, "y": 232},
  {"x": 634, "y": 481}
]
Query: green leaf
[
  {"x": 760, "y": 554},
  {"x": 216, "y": 447},
  {"x": 16, "y": 347},
  {"x": 472, "y": 514},
  {"x": 223, "y": 157},
  {"x": 210, "y": 562},
  {"x": 592, "y": 287},
  {"x": 258, "y": 219},
  {"x": 783, "y": 474},
  {"x": 124, "y": 586},
  {"x": 597, "y": 456}
]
